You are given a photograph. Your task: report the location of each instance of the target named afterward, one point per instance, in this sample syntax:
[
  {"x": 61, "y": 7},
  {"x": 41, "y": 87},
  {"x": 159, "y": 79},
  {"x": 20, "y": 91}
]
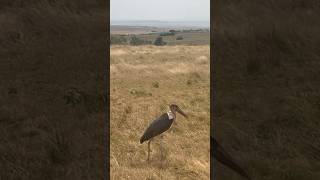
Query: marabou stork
[
  {"x": 223, "y": 157},
  {"x": 160, "y": 125}
]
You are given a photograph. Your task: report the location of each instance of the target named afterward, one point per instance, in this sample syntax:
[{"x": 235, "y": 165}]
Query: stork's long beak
[{"x": 182, "y": 113}]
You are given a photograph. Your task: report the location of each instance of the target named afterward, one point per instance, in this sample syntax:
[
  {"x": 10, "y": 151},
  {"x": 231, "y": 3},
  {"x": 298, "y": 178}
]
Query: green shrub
[
  {"x": 135, "y": 41},
  {"x": 118, "y": 40},
  {"x": 159, "y": 42},
  {"x": 155, "y": 84},
  {"x": 173, "y": 32},
  {"x": 140, "y": 93},
  {"x": 179, "y": 38}
]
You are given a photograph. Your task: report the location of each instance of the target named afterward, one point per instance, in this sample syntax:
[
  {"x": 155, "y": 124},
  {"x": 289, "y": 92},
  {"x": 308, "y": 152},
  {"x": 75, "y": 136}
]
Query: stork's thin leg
[
  {"x": 149, "y": 149},
  {"x": 162, "y": 154}
]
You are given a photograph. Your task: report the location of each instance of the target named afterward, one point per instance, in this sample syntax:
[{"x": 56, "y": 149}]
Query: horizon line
[{"x": 160, "y": 20}]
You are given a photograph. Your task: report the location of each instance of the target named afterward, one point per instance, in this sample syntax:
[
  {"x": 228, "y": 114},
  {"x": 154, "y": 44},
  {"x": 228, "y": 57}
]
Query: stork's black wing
[
  {"x": 158, "y": 126},
  {"x": 223, "y": 157}
]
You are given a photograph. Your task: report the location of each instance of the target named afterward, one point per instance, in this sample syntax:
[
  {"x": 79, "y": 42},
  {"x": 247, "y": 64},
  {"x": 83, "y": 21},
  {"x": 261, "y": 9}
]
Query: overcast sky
[{"x": 163, "y": 10}]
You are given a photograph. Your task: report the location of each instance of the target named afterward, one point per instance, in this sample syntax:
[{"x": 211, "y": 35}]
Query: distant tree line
[
  {"x": 170, "y": 33},
  {"x": 136, "y": 41},
  {"x": 125, "y": 40}
]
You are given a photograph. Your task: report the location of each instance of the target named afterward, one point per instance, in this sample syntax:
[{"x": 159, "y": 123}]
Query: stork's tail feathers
[
  {"x": 222, "y": 156},
  {"x": 231, "y": 164},
  {"x": 142, "y": 139}
]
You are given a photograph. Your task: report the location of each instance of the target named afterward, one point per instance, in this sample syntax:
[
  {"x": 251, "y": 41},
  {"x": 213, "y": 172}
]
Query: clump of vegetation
[
  {"x": 118, "y": 40},
  {"x": 179, "y": 37},
  {"x": 155, "y": 84},
  {"x": 194, "y": 77},
  {"x": 140, "y": 93},
  {"x": 172, "y": 31},
  {"x": 125, "y": 114},
  {"x": 159, "y": 42},
  {"x": 73, "y": 97},
  {"x": 135, "y": 41}
]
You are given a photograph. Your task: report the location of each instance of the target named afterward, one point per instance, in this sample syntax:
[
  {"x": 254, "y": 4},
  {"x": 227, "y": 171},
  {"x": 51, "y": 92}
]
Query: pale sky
[{"x": 162, "y": 10}]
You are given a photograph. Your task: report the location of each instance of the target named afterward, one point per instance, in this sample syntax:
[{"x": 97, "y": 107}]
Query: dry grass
[
  {"x": 51, "y": 88},
  {"x": 266, "y": 71},
  {"x": 143, "y": 81}
]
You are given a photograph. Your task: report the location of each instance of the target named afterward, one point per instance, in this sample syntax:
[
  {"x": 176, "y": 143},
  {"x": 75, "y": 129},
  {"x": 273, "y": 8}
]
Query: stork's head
[{"x": 174, "y": 108}]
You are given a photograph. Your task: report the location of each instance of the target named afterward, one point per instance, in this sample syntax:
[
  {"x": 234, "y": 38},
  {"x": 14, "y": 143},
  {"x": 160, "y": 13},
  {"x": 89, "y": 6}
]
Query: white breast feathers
[{"x": 170, "y": 114}]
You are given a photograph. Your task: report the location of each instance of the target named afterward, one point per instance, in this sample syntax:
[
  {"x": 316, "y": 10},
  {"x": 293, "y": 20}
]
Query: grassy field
[
  {"x": 51, "y": 89},
  {"x": 143, "y": 81},
  {"x": 266, "y": 74}
]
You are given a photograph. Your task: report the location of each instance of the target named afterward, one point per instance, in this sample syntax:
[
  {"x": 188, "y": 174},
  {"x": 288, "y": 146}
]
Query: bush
[
  {"x": 135, "y": 41},
  {"x": 159, "y": 42},
  {"x": 179, "y": 38},
  {"x": 173, "y": 32},
  {"x": 118, "y": 40},
  {"x": 155, "y": 84}
]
